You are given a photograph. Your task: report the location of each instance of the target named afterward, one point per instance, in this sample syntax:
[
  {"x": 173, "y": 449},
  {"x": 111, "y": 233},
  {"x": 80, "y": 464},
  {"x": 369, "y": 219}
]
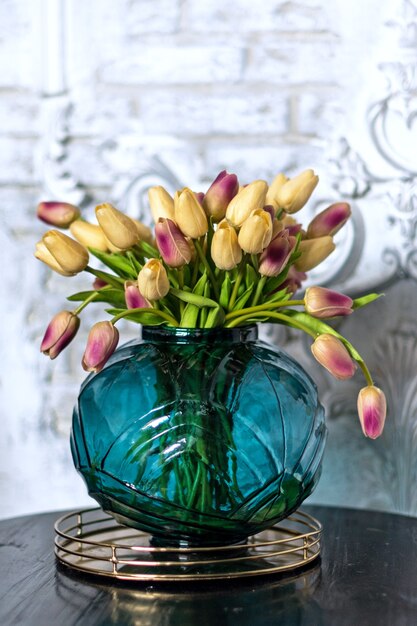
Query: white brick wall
[{"x": 254, "y": 87}]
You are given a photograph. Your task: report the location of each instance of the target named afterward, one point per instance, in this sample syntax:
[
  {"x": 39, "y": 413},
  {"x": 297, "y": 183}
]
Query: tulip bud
[
  {"x": 173, "y": 246},
  {"x": 322, "y": 303},
  {"x": 101, "y": 343},
  {"x": 60, "y": 214},
  {"x": 189, "y": 214},
  {"x": 293, "y": 194},
  {"x": 276, "y": 256},
  {"x": 68, "y": 256},
  {"x": 330, "y": 352},
  {"x": 256, "y": 232},
  {"x": 200, "y": 196},
  {"x": 153, "y": 280},
  {"x": 273, "y": 189},
  {"x": 60, "y": 332},
  {"x": 89, "y": 235},
  {"x": 329, "y": 221},
  {"x": 99, "y": 283},
  {"x": 119, "y": 229},
  {"x": 225, "y": 250},
  {"x": 133, "y": 297},
  {"x": 313, "y": 252},
  {"x": 219, "y": 194},
  {"x": 247, "y": 200},
  {"x": 372, "y": 409},
  {"x": 162, "y": 204},
  {"x": 145, "y": 233}
]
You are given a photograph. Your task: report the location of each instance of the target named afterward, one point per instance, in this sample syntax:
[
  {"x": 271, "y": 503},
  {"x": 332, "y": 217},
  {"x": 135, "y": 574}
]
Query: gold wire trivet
[{"x": 92, "y": 541}]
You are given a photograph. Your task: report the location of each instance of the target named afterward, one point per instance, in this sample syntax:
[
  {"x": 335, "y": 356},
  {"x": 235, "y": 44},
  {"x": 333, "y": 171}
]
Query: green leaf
[
  {"x": 115, "y": 297},
  {"x": 225, "y": 291},
  {"x": 193, "y": 298},
  {"x": 242, "y": 300},
  {"x": 115, "y": 281},
  {"x": 116, "y": 262},
  {"x": 278, "y": 296},
  {"x": 149, "y": 319},
  {"x": 215, "y": 317},
  {"x": 251, "y": 276},
  {"x": 136, "y": 266},
  {"x": 359, "y": 302}
]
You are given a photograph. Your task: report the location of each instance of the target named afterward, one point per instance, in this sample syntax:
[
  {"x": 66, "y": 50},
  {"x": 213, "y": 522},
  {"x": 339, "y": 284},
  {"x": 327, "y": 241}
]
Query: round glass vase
[{"x": 199, "y": 436}]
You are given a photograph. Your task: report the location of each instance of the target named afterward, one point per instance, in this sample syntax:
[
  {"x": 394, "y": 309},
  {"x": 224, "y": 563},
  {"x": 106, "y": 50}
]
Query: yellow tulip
[
  {"x": 293, "y": 194},
  {"x": 145, "y": 233},
  {"x": 162, "y": 204},
  {"x": 90, "y": 235},
  {"x": 42, "y": 253},
  {"x": 189, "y": 214},
  {"x": 247, "y": 200},
  {"x": 313, "y": 252},
  {"x": 273, "y": 189},
  {"x": 153, "y": 280},
  {"x": 118, "y": 228},
  {"x": 256, "y": 232},
  {"x": 61, "y": 253},
  {"x": 225, "y": 250}
]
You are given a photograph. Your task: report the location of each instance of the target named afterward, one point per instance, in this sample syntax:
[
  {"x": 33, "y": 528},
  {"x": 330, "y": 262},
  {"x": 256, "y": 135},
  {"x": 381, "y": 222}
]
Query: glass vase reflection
[{"x": 199, "y": 436}]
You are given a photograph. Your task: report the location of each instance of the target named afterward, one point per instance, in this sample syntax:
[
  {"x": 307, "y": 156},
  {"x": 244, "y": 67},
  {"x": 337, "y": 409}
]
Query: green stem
[
  {"x": 181, "y": 286},
  {"x": 236, "y": 286},
  {"x": 366, "y": 372},
  {"x": 258, "y": 291},
  {"x": 86, "y": 302},
  {"x": 263, "y": 307},
  {"x": 288, "y": 321},
  {"x": 161, "y": 314},
  {"x": 206, "y": 264}
]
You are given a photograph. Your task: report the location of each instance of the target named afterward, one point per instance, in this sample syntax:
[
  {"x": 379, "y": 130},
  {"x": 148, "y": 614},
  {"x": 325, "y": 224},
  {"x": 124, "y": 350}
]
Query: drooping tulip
[
  {"x": 133, "y": 297},
  {"x": 59, "y": 214},
  {"x": 293, "y": 194},
  {"x": 329, "y": 221},
  {"x": 173, "y": 246},
  {"x": 225, "y": 250},
  {"x": 90, "y": 235},
  {"x": 256, "y": 232},
  {"x": 161, "y": 203},
  {"x": 330, "y": 352},
  {"x": 372, "y": 409},
  {"x": 245, "y": 201},
  {"x": 189, "y": 214},
  {"x": 274, "y": 187},
  {"x": 313, "y": 252},
  {"x": 101, "y": 343},
  {"x": 63, "y": 254},
  {"x": 323, "y": 303},
  {"x": 276, "y": 256},
  {"x": 60, "y": 332},
  {"x": 153, "y": 280},
  {"x": 219, "y": 194},
  {"x": 119, "y": 229}
]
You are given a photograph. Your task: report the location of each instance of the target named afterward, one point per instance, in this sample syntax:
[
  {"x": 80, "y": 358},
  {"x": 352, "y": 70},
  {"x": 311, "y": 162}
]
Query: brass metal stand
[{"x": 92, "y": 541}]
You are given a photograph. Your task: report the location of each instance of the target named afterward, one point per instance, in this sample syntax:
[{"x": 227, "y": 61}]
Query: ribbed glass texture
[{"x": 202, "y": 436}]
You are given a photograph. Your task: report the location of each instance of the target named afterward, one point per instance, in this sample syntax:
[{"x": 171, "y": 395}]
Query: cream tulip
[
  {"x": 313, "y": 252},
  {"x": 119, "y": 229},
  {"x": 273, "y": 189},
  {"x": 247, "y": 200},
  {"x": 161, "y": 203},
  {"x": 90, "y": 235},
  {"x": 68, "y": 256},
  {"x": 189, "y": 214},
  {"x": 225, "y": 250},
  {"x": 153, "y": 281},
  {"x": 256, "y": 232},
  {"x": 293, "y": 194}
]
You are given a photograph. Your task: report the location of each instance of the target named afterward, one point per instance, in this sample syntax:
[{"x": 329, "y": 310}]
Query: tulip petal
[
  {"x": 101, "y": 343},
  {"x": 372, "y": 409},
  {"x": 330, "y": 352}
]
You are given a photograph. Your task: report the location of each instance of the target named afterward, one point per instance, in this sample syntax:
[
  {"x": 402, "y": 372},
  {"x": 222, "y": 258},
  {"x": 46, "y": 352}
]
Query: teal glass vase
[{"x": 199, "y": 436}]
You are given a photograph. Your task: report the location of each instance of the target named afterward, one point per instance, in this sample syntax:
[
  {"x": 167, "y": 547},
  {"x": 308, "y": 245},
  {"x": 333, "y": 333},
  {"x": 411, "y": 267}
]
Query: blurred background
[{"x": 99, "y": 100}]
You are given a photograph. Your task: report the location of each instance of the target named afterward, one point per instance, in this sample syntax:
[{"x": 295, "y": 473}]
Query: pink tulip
[
  {"x": 329, "y": 221},
  {"x": 133, "y": 297},
  {"x": 101, "y": 343},
  {"x": 322, "y": 303},
  {"x": 276, "y": 256},
  {"x": 330, "y": 352},
  {"x": 60, "y": 332},
  {"x": 60, "y": 214},
  {"x": 372, "y": 409},
  {"x": 219, "y": 194},
  {"x": 173, "y": 246}
]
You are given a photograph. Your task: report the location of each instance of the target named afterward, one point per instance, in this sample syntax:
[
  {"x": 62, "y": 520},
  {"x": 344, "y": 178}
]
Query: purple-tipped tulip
[
  {"x": 173, "y": 246},
  {"x": 330, "y": 352},
  {"x": 276, "y": 256},
  {"x": 101, "y": 343},
  {"x": 219, "y": 194},
  {"x": 99, "y": 283},
  {"x": 372, "y": 409},
  {"x": 270, "y": 209},
  {"x": 60, "y": 214},
  {"x": 133, "y": 297},
  {"x": 200, "y": 196},
  {"x": 322, "y": 303},
  {"x": 61, "y": 331},
  {"x": 329, "y": 221},
  {"x": 293, "y": 281}
]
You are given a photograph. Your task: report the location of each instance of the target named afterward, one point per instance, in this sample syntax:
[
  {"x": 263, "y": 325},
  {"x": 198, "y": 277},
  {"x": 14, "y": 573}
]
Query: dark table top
[{"x": 367, "y": 576}]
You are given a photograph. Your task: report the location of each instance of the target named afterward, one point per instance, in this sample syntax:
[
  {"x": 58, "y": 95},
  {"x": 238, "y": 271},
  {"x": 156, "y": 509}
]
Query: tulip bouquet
[{"x": 229, "y": 257}]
